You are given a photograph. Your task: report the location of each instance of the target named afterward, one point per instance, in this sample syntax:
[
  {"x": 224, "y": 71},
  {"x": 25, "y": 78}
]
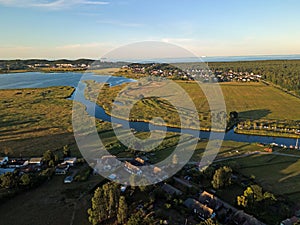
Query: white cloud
[{"x": 50, "y": 4}]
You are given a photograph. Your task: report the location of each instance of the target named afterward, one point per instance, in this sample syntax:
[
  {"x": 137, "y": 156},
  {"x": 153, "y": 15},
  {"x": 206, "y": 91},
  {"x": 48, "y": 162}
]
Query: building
[
  {"x": 290, "y": 221},
  {"x": 171, "y": 190},
  {"x": 17, "y": 163},
  {"x": 7, "y": 170},
  {"x": 132, "y": 169},
  {"x": 62, "y": 169},
  {"x": 156, "y": 170},
  {"x": 242, "y": 218},
  {"x": 139, "y": 160},
  {"x": 68, "y": 179},
  {"x": 3, "y": 160},
  {"x": 203, "y": 211},
  {"x": 36, "y": 161},
  {"x": 106, "y": 163},
  {"x": 208, "y": 199},
  {"x": 182, "y": 182},
  {"x": 112, "y": 176},
  {"x": 70, "y": 161}
]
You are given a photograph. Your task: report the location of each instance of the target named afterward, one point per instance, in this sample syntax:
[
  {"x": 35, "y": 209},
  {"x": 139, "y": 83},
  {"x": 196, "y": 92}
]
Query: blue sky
[{"x": 90, "y": 28}]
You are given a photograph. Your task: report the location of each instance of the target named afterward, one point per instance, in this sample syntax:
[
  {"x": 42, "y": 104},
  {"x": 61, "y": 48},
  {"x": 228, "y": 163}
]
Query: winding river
[{"x": 39, "y": 80}]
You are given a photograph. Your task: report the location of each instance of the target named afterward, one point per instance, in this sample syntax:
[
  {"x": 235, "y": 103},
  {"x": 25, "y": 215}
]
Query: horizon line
[{"x": 204, "y": 56}]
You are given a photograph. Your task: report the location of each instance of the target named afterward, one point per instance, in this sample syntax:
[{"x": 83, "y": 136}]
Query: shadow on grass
[{"x": 256, "y": 114}]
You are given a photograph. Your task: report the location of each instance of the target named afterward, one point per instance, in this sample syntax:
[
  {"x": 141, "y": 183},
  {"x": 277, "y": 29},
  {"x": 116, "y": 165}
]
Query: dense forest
[{"x": 284, "y": 73}]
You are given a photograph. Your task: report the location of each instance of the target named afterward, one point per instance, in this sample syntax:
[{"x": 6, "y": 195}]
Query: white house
[
  {"x": 132, "y": 169},
  {"x": 70, "y": 161},
  {"x": 36, "y": 161}
]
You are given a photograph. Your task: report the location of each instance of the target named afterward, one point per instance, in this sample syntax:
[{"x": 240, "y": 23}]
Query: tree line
[{"x": 284, "y": 73}]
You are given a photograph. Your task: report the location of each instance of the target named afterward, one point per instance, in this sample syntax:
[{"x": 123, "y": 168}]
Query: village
[
  {"x": 199, "y": 74},
  {"x": 196, "y": 199}
]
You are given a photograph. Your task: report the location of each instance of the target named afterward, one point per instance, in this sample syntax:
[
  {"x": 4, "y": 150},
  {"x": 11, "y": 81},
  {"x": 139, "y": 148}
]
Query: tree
[
  {"x": 139, "y": 218},
  {"x": 66, "y": 151},
  {"x": 242, "y": 201},
  {"x": 9, "y": 180},
  {"x": 112, "y": 202},
  {"x": 25, "y": 180},
  {"x": 143, "y": 185},
  {"x": 97, "y": 213},
  {"x": 254, "y": 195},
  {"x": 136, "y": 219},
  {"x": 133, "y": 180},
  {"x": 222, "y": 177},
  {"x": 208, "y": 222},
  {"x": 122, "y": 210},
  {"x": 234, "y": 115},
  {"x": 49, "y": 157}
]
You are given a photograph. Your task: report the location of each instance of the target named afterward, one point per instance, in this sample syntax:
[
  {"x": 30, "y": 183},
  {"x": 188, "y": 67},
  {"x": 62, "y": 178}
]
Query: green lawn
[
  {"x": 37, "y": 119},
  {"x": 254, "y": 101},
  {"x": 278, "y": 174}
]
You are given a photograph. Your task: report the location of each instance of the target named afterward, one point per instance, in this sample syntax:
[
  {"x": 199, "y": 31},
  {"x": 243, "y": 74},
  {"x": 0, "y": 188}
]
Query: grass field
[
  {"x": 53, "y": 203},
  {"x": 278, "y": 174},
  {"x": 254, "y": 101},
  {"x": 107, "y": 71},
  {"x": 35, "y": 120},
  {"x": 32, "y": 120}
]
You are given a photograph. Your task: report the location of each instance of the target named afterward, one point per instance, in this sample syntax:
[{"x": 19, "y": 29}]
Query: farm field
[
  {"x": 278, "y": 174},
  {"x": 253, "y": 101}
]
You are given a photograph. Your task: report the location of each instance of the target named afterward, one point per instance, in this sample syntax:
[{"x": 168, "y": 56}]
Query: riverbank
[
  {"x": 106, "y": 71},
  {"x": 266, "y": 133}
]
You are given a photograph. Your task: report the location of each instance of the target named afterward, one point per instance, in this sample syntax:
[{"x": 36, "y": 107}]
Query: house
[
  {"x": 180, "y": 181},
  {"x": 208, "y": 199},
  {"x": 3, "y": 160},
  {"x": 62, "y": 169},
  {"x": 70, "y": 161},
  {"x": 109, "y": 160},
  {"x": 112, "y": 176},
  {"x": 139, "y": 160},
  {"x": 36, "y": 161},
  {"x": 156, "y": 170},
  {"x": 132, "y": 169},
  {"x": 203, "y": 211},
  {"x": 17, "y": 163},
  {"x": 171, "y": 190},
  {"x": 68, "y": 180},
  {"x": 268, "y": 150},
  {"x": 7, "y": 170},
  {"x": 290, "y": 221},
  {"x": 106, "y": 163},
  {"x": 242, "y": 218},
  {"x": 27, "y": 169}
]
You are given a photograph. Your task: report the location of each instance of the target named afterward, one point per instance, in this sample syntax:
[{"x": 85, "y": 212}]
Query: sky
[{"x": 72, "y": 29}]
